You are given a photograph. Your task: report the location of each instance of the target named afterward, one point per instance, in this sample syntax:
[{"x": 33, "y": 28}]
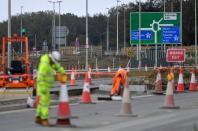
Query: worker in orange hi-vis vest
[{"x": 119, "y": 82}]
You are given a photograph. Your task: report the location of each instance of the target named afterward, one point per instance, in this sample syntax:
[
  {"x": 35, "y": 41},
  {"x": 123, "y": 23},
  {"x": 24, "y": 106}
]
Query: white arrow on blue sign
[
  {"x": 170, "y": 34},
  {"x": 145, "y": 35}
]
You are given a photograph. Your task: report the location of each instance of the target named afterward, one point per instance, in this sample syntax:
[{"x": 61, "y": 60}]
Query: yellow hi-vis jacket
[{"x": 46, "y": 74}]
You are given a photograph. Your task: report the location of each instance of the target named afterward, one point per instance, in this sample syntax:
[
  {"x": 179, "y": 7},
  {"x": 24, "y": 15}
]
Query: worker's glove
[{"x": 62, "y": 78}]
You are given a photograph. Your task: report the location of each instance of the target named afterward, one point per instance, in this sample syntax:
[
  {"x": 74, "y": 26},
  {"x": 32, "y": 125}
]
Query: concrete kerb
[{"x": 136, "y": 89}]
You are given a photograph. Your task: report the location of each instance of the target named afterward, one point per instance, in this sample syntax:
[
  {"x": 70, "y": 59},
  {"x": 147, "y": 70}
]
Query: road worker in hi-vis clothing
[
  {"x": 119, "y": 82},
  {"x": 45, "y": 80}
]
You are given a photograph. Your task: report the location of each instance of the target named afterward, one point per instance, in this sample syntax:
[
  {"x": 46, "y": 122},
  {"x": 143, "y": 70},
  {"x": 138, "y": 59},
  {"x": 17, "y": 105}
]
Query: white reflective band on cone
[
  {"x": 63, "y": 93},
  {"x": 158, "y": 77},
  {"x": 89, "y": 74},
  {"x": 109, "y": 70},
  {"x": 146, "y": 68},
  {"x": 193, "y": 80},
  {"x": 169, "y": 90},
  {"x": 86, "y": 87},
  {"x": 126, "y": 96},
  {"x": 181, "y": 78},
  {"x": 128, "y": 69},
  {"x": 72, "y": 76}
]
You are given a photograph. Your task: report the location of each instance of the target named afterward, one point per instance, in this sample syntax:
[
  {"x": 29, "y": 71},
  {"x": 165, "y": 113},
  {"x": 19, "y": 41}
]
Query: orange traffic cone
[
  {"x": 180, "y": 86},
  {"x": 89, "y": 77},
  {"x": 126, "y": 109},
  {"x": 193, "y": 83},
  {"x": 86, "y": 96},
  {"x": 139, "y": 67},
  {"x": 89, "y": 68},
  {"x": 161, "y": 67},
  {"x": 72, "y": 80},
  {"x": 64, "y": 112},
  {"x": 120, "y": 67},
  {"x": 169, "y": 99},
  {"x": 109, "y": 69},
  {"x": 158, "y": 84},
  {"x": 146, "y": 68},
  {"x": 128, "y": 69},
  {"x": 97, "y": 70}
]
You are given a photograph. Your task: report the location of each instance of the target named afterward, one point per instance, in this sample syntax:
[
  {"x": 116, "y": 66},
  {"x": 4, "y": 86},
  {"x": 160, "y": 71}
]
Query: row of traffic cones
[
  {"x": 180, "y": 86},
  {"x": 64, "y": 112},
  {"x": 73, "y": 74},
  {"x": 73, "y": 79},
  {"x": 126, "y": 108}
]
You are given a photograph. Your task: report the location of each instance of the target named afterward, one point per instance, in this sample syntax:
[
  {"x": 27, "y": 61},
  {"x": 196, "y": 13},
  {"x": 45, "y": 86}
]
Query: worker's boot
[
  {"x": 38, "y": 120},
  {"x": 44, "y": 122}
]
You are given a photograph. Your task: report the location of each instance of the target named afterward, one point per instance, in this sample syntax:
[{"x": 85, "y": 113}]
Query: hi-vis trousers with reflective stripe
[{"x": 43, "y": 92}]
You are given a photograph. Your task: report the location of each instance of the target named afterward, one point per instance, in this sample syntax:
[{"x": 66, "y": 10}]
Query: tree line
[{"x": 40, "y": 23}]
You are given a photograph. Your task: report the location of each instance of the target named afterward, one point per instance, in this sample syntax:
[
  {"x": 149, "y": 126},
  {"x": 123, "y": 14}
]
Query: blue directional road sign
[
  {"x": 170, "y": 34},
  {"x": 145, "y": 35}
]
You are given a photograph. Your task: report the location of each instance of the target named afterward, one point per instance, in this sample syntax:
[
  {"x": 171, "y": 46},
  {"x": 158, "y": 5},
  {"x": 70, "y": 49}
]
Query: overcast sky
[{"x": 68, "y": 6}]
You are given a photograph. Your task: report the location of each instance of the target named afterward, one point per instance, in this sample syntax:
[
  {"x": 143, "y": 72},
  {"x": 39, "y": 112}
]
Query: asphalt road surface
[{"x": 103, "y": 116}]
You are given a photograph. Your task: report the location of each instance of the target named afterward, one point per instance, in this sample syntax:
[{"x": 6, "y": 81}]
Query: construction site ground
[{"x": 104, "y": 116}]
